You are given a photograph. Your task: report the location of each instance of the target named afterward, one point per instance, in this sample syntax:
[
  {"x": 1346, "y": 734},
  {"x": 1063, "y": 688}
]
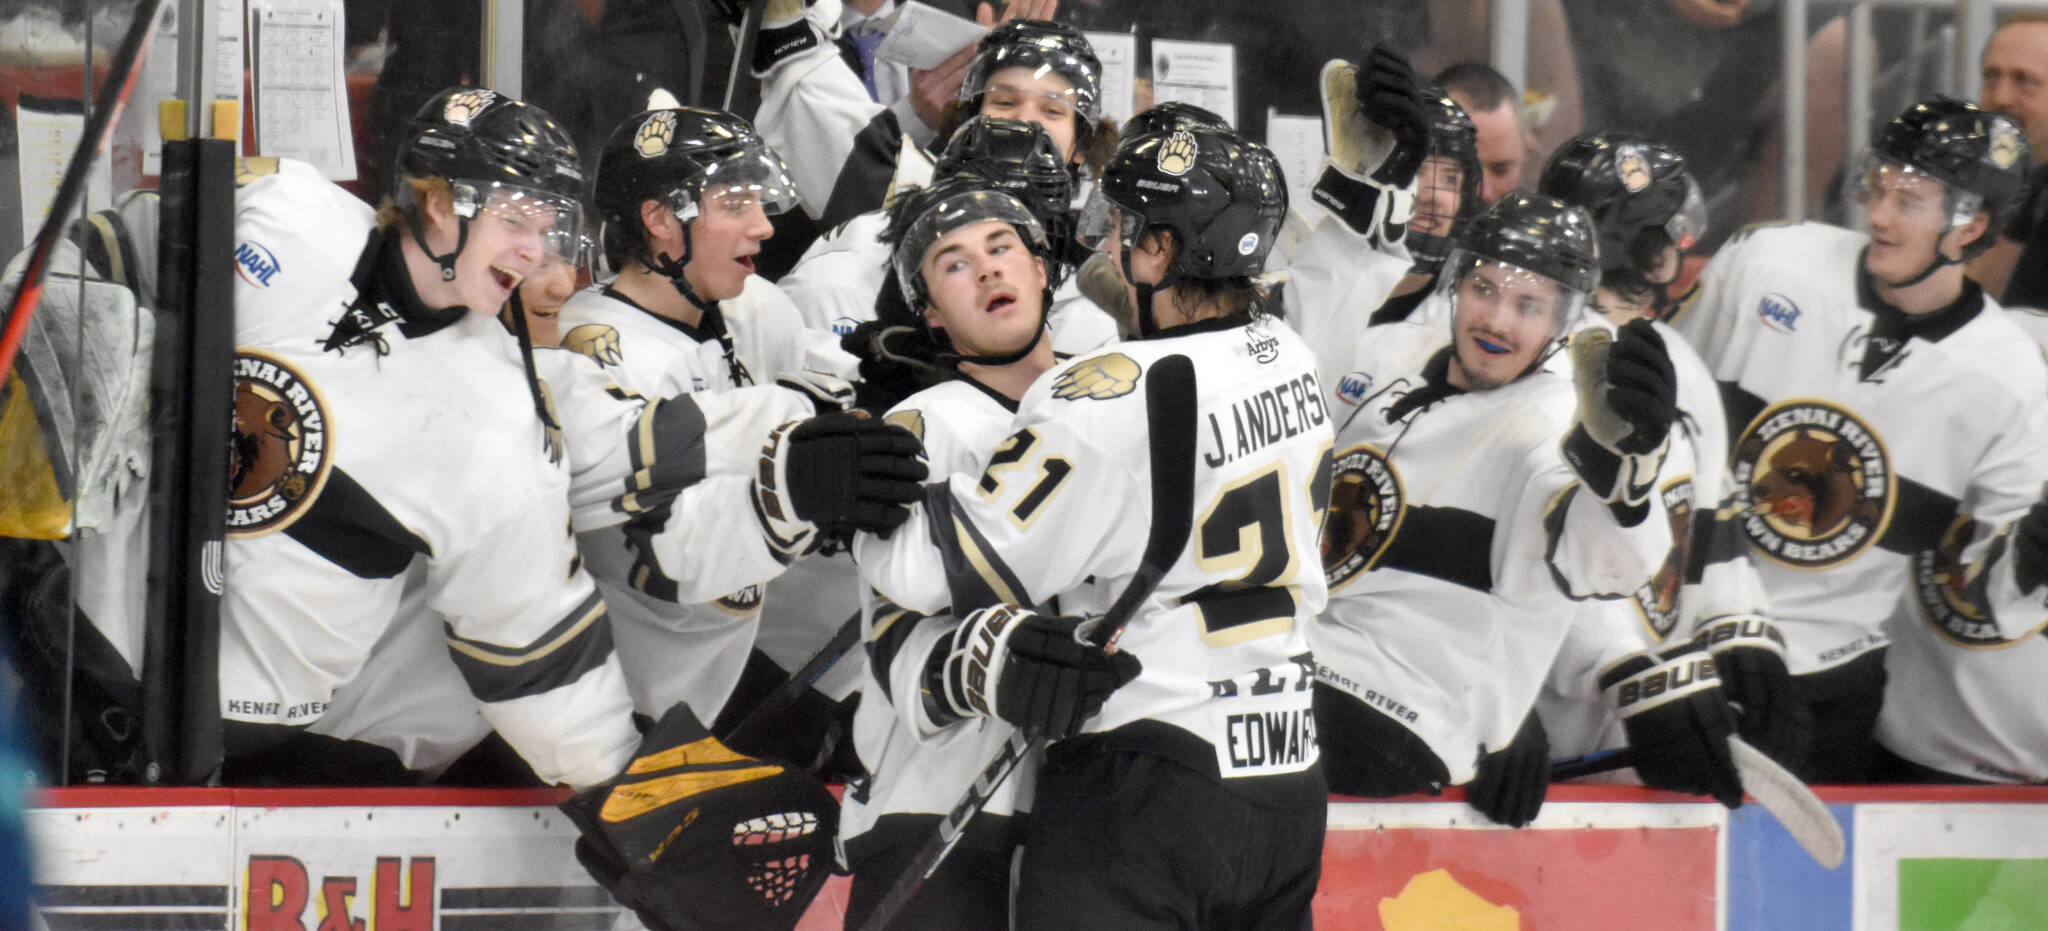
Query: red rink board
[{"x": 1557, "y": 878}]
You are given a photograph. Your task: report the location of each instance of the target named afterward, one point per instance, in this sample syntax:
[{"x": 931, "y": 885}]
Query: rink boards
[{"x": 1598, "y": 857}]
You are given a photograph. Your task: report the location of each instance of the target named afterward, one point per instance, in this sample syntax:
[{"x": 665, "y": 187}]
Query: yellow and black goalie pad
[{"x": 696, "y": 836}]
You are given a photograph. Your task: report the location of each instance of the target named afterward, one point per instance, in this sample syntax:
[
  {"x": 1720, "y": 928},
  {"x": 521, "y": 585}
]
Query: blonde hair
[{"x": 405, "y": 210}]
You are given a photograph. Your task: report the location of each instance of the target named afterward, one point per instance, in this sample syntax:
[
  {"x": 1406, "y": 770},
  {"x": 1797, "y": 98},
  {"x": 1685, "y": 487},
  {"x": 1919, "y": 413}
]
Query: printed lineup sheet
[
  {"x": 48, "y": 131},
  {"x": 1200, "y": 73},
  {"x": 924, "y": 37},
  {"x": 301, "y": 91},
  {"x": 1118, "y": 52}
]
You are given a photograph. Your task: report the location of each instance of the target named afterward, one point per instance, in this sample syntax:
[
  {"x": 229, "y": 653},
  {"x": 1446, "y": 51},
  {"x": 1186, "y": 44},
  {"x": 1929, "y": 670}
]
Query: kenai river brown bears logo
[
  {"x": 282, "y": 446},
  {"x": 1366, "y": 506},
  {"x": 1814, "y": 483}
]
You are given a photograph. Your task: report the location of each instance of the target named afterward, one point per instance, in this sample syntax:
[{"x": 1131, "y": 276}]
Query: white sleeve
[
  {"x": 834, "y": 285},
  {"x": 528, "y": 632},
  {"x": 1335, "y": 280},
  {"x": 2006, "y": 484},
  {"x": 1588, "y": 553},
  {"x": 646, "y": 450},
  {"x": 811, "y": 108},
  {"x": 1708, "y": 317}
]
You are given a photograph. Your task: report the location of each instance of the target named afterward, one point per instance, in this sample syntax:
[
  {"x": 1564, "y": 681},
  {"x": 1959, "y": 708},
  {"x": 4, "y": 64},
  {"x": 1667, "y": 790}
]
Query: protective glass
[
  {"x": 556, "y": 221},
  {"x": 1919, "y": 199},
  {"x": 1495, "y": 282},
  {"x": 735, "y": 185}
]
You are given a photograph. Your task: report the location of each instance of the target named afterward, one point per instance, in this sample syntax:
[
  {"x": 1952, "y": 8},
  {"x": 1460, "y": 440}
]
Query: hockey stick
[
  {"x": 743, "y": 48},
  {"x": 106, "y": 107},
  {"x": 785, "y": 695},
  {"x": 1803, "y": 814},
  {"x": 1170, "y": 413}
]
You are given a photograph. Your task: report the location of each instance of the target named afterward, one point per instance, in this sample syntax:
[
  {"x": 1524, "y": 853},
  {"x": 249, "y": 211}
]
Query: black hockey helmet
[
  {"x": 1172, "y": 115},
  {"x": 1639, "y": 193},
  {"x": 1039, "y": 45},
  {"x": 921, "y": 216},
  {"x": 493, "y": 149},
  {"x": 1453, "y": 136},
  {"x": 1220, "y": 194},
  {"x": 673, "y": 156},
  {"x": 1537, "y": 234},
  {"x": 1020, "y": 159},
  {"x": 1981, "y": 156}
]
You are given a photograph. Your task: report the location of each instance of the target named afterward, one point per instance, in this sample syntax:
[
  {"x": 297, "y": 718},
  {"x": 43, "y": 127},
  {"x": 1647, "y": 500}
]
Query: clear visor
[
  {"x": 1012, "y": 74},
  {"x": 1476, "y": 284},
  {"x": 1102, "y": 218},
  {"x": 1690, "y": 222},
  {"x": 737, "y": 185},
  {"x": 1909, "y": 195},
  {"x": 955, "y": 212},
  {"x": 550, "y": 222}
]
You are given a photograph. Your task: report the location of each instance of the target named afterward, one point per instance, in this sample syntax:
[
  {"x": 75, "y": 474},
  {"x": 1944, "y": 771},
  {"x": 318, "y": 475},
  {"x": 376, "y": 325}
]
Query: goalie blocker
[{"x": 695, "y": 836}]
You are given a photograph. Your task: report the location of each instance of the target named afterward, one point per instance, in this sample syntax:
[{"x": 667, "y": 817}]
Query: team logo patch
[
  {"x": 1657, "y": 600},
  {"x": 2005, "y": 143},
  {"x": 1950, "y": 592},
  {"x": 596, "y": 340},
  {"x": 282, "y": 448},
  {"x": 1366, "y": 506},
  {"x": 844, "y": 325},
  {"x": 743, "y": 602},
  {"x": 1352, "y": 387},
  {"x": 467, "y": 105},
  {"x": 1633, "y": 169},
  {"x": 1177, "y": 155},
  {"x": 1814, "y": 483},
  {"x": 910, "y": 420},
  {"x": 1263, "y": 345},
  {"x": 1098, "y": 378},
  {"x": 255, "y": 263},
  {"x": 656, "y": 132},
  {"x": 1778, "y": 312}
]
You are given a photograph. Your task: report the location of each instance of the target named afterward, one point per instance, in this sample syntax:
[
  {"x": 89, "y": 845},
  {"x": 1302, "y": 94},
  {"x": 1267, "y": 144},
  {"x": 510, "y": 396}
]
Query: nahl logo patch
[
  {"x": 255, "y": 263},
  {"x": 1657, "y": 600},
  {"x": 1814, "y": 483},
  {"x": 1366, "y": 507},
  {"x": 1098, "y": 378},
  {"x": 1352, "y": 387},
  {"x": 1778, "y": 312},
  {"x": 282, "y": 449}
]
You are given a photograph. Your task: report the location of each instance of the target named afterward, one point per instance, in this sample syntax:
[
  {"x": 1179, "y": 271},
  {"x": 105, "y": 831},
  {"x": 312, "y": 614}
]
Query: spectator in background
[
  {"x": 1495, "y": 109},
  {"x": 2016, "y": 84}
]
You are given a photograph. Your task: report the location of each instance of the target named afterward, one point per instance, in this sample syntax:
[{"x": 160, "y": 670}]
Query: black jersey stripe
[
  {"x": 667, "y": 455},
  {"x": 976, "y": 575},
  {"x": 1919, "y": 518},
  {"x": 577, "y": 644},
  {"x": 1741, "y": 407},
  {"x": 134, "y": 921},
  {"x": 1716, "y": 538},
  {"x": 893, "y": 626},
  {"x": 1446, "y": 543},
  {"x": 348, "y": 528}
]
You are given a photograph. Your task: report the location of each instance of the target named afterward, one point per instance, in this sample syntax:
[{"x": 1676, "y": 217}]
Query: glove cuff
[
  {"x": 828, "y": 394},
  {"x": 1740, "y": 632},
  {"x": 1623, "y": 480},
  {"x": 1378, "y": 212},
  {"x": 779, "y": 43},
  {"x": 788, "y": 535},
  {"x": 1644, "y": 681},
  {"x": 974, "y": 660}
]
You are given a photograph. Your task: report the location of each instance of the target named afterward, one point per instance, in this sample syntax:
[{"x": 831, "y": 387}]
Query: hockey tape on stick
[
  {"x": 785, "y": 695},
  {"x": 106, "y": 107},
  {"x": 1170, "y": 415},
  {"x": 1803, "y": 814}
]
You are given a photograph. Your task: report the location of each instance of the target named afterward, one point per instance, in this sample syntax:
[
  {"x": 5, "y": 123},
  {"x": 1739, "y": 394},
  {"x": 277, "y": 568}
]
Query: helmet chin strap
[
  {"x": 1148, "y": 325},
  {"x": 447, "y": 262},
  {"x": 673, "y": 268}
]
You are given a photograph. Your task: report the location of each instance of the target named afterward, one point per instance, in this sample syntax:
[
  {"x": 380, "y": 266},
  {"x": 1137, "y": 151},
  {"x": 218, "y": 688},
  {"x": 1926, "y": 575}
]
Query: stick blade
[{"x": 1795, "y": 806}]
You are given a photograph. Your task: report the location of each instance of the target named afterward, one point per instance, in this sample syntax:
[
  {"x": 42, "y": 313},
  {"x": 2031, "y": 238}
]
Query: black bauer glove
[
  {"x": 1511, "y": 782},
  {"x": 1390, "y": 93},
  {"x": 834, "y": 474},
  {"x": 1772, "y": 714},
  {"x": 1026, "y": 668},
  {"x": 896, "y": 361},
  {"x": 1677, "y": 720},
  {"x": 1628, "y": 399},
  {"x": 1642, "y": 388}
]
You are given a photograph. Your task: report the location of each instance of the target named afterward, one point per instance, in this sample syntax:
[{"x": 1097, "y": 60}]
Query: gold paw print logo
[
  {"x": 1634, "y": 170},
  {"x": 1178, "y": 154},
  {"x": 1099, "y": 378},
  {"x": 467, "y": 106},
  {"x": 2005, "y": 143},
  {"x": 655, "y": 134},
  {"x": 599, "y": 342}
]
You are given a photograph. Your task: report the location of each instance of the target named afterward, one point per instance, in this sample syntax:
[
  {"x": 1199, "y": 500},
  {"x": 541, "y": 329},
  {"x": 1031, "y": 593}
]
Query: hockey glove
[
  {"x": 827, "y": 393},
  {"x": 895, "y": 362},
  {"x": 2030, "y": 548},
  {"x": 788, "y": 28},
  {"x": 835, "y": 474},
  {"x": 1749, "y": 655},
  {"x": 1369, "y": 183},
  {"x": 1023, "y": 667},
  {"x": 694, "y": 836},
  {"x": 1677, "y": 719},
  {"x": 1628, "y": 399},
  {"x": 1511, "y": 782}
]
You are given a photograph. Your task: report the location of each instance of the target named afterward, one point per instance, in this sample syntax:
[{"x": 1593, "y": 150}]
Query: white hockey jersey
[
  {"x": 912, "y": 766},
  {"x": 1458, "y": 543},
  {"x": 1066, "y": 498},
  {"x": 1334, "y": 278},
  {"x": 1860, "y": 436},
  {"x": 836, "y": 282}
]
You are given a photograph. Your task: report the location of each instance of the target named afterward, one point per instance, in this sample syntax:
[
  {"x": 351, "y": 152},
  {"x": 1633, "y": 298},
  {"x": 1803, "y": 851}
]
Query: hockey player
[
  {"x": 686, "y": 195},
  {"x": 1834, "y": 351},
  {"x": 1459, "y": 538},
  {"x": 357, "y": 459},
  {"x": 1647, "y": 210},
  {"x": 1138, "y": 817},
  {"x": 975, "y": 261},
  {"x": 1446, "y": 196}
]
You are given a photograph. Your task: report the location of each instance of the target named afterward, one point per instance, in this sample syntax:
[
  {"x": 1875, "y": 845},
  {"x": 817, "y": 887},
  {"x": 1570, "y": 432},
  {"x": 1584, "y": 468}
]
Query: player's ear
[
  {"x": 1969, "y": 233},
  {"x": 932, "y": 320},
  {"x": 659, "y": 221}
]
